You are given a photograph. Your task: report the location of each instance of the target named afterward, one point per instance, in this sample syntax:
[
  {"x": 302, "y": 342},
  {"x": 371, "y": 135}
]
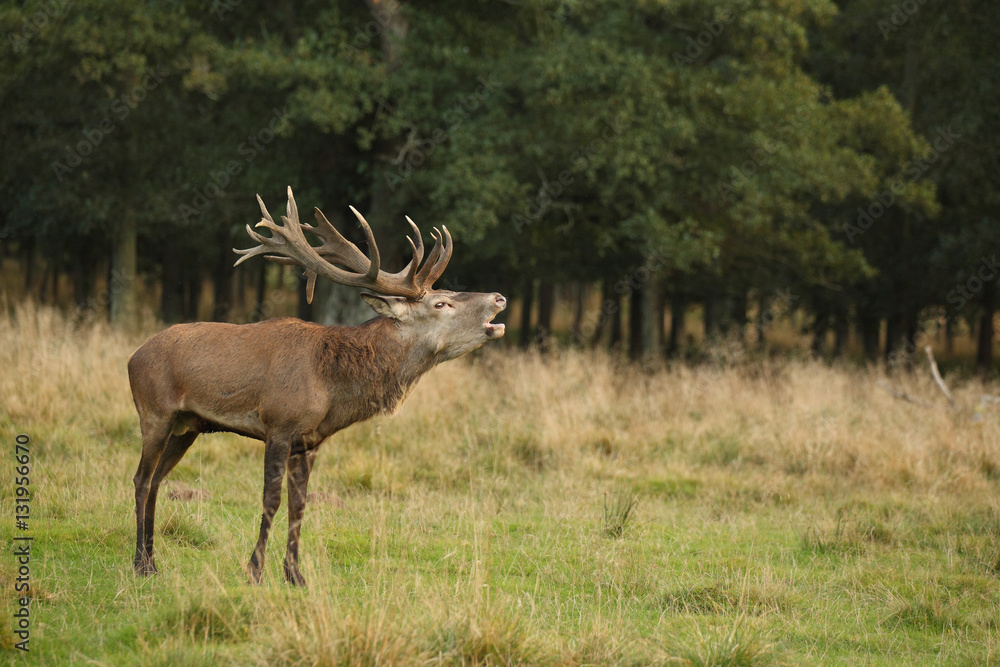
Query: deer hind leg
[
  {"x": 275, "y": 460},
  {"x": 155, "y": 433},
  {"x": 173, "y": 452},
  {"x": 299, "y": 466}
]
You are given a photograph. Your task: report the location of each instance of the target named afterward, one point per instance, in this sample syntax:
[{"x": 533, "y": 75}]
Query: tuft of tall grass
[
  {"x": 617, "y": 512},
  {"x": 736, "y": 646}
]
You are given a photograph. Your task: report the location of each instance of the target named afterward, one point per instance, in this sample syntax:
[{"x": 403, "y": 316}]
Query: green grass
[
  {"x": 516, "y": 569},
  {"x": 518, "y": 511}
]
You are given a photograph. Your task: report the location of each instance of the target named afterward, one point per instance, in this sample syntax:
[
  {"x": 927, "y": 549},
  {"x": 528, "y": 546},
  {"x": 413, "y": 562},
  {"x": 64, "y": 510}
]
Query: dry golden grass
[{"x": 788, "y": 511}]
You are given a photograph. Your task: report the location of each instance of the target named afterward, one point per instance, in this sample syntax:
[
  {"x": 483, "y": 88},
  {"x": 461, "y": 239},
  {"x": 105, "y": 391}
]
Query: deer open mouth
[{"x": 493, "y": 330}]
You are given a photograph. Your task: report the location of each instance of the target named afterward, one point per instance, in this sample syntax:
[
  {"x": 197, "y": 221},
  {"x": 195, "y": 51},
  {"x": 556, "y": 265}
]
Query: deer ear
[{"x": 387, "y": 306}]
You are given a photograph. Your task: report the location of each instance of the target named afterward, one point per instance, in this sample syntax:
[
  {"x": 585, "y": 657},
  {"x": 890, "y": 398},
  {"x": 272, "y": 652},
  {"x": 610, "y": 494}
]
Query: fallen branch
[
  {"x": 937, "y": 376},
  {"x": 901, "y": 395}
]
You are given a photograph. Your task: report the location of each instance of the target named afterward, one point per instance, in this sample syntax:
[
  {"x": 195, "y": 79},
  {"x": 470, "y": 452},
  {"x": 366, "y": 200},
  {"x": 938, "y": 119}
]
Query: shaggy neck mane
[{"x": 375, "y": 362}]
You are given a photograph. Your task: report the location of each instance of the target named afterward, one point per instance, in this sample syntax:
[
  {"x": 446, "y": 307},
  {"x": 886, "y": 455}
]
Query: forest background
[{"x": 638, "y": 175}]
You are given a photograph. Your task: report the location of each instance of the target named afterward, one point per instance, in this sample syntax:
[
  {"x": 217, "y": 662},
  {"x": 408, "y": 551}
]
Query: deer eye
[{"x": 440, "y": 304}]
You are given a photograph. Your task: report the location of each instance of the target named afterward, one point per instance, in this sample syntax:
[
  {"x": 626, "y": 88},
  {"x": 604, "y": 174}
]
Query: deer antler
[{"x": 289, "y": 245}]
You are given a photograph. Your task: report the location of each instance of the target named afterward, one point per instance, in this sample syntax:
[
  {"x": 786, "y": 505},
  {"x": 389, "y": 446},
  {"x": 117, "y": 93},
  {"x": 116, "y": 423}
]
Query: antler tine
[
  {"x": 431, "y": 259},
  {"x": 438, "y": 261},
  {"x": 373, "y": 267},
  {"x": 335, "y": 247},
  {"x": 409, "y": 271},
  {"x": 442, "y": 262},
  {"x": 294, "y": 227},
  {"x": 418, "y": 250},
  {"x": 263, "y": 209},
  {"x": 247, "y": 253}
]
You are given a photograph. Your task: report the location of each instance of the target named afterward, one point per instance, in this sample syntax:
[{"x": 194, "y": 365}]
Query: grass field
[{"x": 520, "y": 511}]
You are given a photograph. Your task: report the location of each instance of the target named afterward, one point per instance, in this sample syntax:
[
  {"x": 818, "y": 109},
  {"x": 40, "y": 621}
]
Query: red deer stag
[{"x": 290, "y": 383}]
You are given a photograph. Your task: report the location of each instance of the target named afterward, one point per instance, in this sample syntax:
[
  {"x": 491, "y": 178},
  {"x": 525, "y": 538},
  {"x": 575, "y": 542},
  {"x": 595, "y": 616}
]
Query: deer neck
[{"x": 376, "y": 363}]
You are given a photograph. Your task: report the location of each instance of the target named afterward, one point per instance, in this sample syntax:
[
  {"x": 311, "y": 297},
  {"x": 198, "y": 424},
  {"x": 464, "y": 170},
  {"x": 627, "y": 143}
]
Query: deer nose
[{"x": 501, "y": 301}]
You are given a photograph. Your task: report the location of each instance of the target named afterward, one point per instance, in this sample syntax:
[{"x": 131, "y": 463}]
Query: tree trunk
[
  {"x": 678, "y": 309},
  {"x": 44, "y": 284},
  {"x": 579, "y": 297},
  {"x": 649, "y": 328},
  {"x": 339, "y": 304},
  {"x": 546, "y": 306},
  {"x": 192, "y": 295},
  {"x": 949, "y": 335},
  {"x": 764, "y": 319},
  {"x": 172, "y": 294},
  {"x": 28, "y": 262},
  {"x": 893, "y": 336},
  {"x": 615, "y": 338},
  {"x": 984, "y": 346},
  {"x": 222, "y": 280},
  {"x": 260, "y": 293},
  {"x": 870, "y": 326},
  {"x": 841, "y": 332},
  {"x": 711, "y": 318},
  {"x": 739, "y": 315},
  {"x": 607, "y": 301},
  {"x": 123, "y": 287},
  {"x": 527, "y": 303},
  {"x": 911, "y": 325},
  {"x": 661, "y": 319},
  {"x": 172, "y": 297},
  {"x": 820, "y": 328},
  {"x": 241, "y": 291},
  {"x": 636, "y": 321},
  {"x": 83, "y": 279}
]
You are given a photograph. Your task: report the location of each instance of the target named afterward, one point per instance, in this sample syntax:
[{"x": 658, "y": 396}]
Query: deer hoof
[
  {"x": 144, "y": 567},
  {"x": 254, "y": 574},
  {"x": 293, "y": 576}
]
